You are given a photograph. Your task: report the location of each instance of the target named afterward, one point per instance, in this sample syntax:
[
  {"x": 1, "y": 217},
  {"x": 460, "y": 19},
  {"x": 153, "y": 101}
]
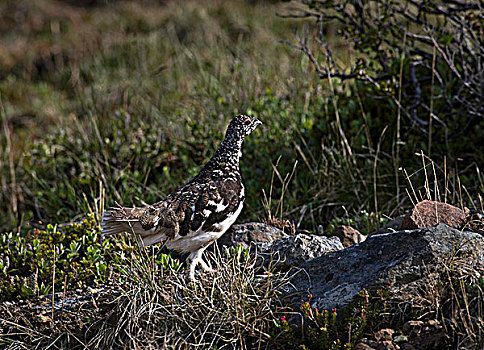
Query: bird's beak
[{"x": 258, "y": 122}]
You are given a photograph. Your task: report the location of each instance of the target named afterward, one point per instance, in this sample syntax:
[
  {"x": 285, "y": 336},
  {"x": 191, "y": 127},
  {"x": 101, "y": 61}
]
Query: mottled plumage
[{"x": 198, "y": 213}]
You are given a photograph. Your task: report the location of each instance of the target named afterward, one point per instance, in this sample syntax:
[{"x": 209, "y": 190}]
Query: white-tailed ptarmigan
[{"x": 198, "y": 213}]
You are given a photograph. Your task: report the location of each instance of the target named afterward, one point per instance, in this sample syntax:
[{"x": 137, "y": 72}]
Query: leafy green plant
[{"x": 52, "y": 259}]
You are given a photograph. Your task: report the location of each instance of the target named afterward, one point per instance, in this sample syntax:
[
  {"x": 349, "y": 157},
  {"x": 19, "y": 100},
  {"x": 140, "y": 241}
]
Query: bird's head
[{"x": 241, "y": 126}]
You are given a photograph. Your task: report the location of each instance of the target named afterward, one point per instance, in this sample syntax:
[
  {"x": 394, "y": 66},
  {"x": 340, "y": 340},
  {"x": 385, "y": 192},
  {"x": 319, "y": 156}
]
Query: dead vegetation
[{"x": 153, "y": 305}]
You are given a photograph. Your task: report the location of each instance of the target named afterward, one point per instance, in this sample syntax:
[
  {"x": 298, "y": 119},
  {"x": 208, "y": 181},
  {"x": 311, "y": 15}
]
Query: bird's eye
[{"x": 247, "y": 122}]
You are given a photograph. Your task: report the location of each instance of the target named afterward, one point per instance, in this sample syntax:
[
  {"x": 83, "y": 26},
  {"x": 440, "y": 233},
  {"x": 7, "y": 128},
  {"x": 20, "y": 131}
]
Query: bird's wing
[
  {"x": 194, "y": 207},
  {"x": 231, "y": 197},
  {"x": 190, "y": 206},
  {"x": 199, "y": 206}
]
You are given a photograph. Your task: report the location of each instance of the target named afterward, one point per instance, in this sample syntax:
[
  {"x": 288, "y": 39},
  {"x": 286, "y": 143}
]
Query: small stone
[
  {"x": 434, "y": 323},
  {"x": 369, "y": 342},
  {"x": 400, "y": 338},
  {"x": 285, "y": 225},
  {"x": 348, "y": 235},
  {"x": 429, "y": 213},
  {"x": 410, "y": 325},
  {"x": 252, "y": 232},
  {"x": 384, "y": 334},
  {"x": 43, "y": 318},
  {"x": 363, "y": 346},
  {"x": 387, "y": 345},
  {"x": 474, "y": 221}
]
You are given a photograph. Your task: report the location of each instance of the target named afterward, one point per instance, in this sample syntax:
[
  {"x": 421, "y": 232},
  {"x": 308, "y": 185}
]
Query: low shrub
[
  {"x": 338, "y": 328},
  {"x": 52, "y": 259}
]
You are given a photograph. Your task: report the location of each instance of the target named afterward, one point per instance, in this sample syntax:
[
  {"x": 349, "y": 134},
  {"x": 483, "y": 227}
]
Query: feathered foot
[{"x": 195, "y": 258}]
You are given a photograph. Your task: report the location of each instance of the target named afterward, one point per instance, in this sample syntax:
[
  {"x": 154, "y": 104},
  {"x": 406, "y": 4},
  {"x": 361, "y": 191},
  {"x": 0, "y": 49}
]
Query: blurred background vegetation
[{"x": 105, "y": 101}]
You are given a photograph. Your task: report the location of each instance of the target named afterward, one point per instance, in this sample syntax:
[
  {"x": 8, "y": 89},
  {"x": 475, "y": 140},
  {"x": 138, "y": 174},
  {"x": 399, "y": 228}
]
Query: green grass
[{"x": 132, "y": 100}]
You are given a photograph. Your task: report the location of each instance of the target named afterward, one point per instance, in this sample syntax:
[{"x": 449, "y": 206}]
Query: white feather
[
  {"x": 197, "y": 239},
  {"x": 218, "y": 206}
]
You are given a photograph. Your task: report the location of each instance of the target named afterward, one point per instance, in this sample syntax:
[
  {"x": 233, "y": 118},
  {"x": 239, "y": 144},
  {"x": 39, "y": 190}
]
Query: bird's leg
[
  {"x": 195, "y": 259},
  {"x": 205, "y": 266}
]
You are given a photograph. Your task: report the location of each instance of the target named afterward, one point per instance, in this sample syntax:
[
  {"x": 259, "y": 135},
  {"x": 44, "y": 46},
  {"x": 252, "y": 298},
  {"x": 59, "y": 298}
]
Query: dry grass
[
  {"x": 152, "y": 305},
  {"x": 232, "y": 308}
]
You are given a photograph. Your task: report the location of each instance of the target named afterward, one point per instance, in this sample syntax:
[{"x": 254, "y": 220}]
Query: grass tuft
[{"x": 234, "y": 307}]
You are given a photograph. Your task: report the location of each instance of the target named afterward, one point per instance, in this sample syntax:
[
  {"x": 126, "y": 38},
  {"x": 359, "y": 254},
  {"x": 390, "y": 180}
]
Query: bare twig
[{"x": 437, "y": 35}]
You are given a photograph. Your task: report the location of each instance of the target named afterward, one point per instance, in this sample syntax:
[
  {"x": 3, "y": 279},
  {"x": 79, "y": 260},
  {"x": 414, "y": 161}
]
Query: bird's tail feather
[
  {"x": 113, "y": 222},
  {"x": 119, "y": 220}
]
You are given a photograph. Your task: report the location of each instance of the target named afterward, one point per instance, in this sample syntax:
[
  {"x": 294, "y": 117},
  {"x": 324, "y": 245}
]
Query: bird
[{"x": 199, "y": 212}]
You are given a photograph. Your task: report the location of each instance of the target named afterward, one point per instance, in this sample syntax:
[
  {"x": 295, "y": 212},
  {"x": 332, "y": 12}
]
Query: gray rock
[
  {"x": 400, "y": 338},
  {"x": 271, "y": 243},
  {"x": 399, "y": 258},
  {"x": 294, "y": 250},
  {"x": 245, "y": 234}
]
